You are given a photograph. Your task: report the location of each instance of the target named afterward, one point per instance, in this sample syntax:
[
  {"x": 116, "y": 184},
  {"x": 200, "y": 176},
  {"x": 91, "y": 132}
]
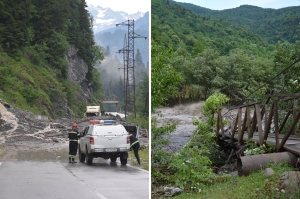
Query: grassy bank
[
  {"x": 255, "y": 185},
  {"x": 144, "y": 156}
]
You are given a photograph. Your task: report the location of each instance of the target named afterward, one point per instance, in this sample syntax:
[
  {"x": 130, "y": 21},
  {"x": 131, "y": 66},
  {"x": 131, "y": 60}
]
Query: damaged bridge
[{"x": 275, "y": 122}]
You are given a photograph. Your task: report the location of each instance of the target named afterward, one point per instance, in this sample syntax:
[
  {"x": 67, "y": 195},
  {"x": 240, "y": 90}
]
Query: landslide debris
[{"x": 22, "y": 131}]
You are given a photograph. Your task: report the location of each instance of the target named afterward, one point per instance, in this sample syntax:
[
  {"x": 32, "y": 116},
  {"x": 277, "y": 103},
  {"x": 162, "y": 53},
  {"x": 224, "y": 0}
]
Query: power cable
[
  {"x": 274, "y": 77},
  {"x": 270, "y": 80}
]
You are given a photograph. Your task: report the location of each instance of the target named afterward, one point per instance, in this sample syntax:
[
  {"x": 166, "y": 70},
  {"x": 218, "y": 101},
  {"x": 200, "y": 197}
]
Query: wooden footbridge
[{"x": 263, "y": 123}]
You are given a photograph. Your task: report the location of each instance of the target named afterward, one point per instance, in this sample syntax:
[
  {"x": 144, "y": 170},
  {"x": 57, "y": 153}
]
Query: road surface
[{"x": 46, "y": 174}]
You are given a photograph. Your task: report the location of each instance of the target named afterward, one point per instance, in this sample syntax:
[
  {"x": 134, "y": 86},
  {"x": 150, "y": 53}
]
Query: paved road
[{"x": 61, "y": 180}]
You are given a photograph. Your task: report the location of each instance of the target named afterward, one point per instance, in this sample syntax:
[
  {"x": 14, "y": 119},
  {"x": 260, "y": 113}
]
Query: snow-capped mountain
[{"x": 105, "y": 18}]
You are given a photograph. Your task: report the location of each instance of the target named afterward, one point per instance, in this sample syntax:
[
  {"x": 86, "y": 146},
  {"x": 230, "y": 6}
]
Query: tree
[
  {"x": 204, "y": 70},
  {"x": 139, "y": 60},
  {"x": 164, "y": 79},
  {"x": 142, "y": 93}
]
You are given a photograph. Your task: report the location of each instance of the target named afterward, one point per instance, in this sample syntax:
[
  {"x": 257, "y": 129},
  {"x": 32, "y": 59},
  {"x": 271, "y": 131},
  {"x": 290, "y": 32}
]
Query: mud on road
[{"x": 24, "y": 137}]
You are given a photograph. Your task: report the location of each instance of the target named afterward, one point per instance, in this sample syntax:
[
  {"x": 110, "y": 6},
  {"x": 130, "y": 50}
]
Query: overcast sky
[
  {"x": 128, "y": 6},
  {"x": 226, "y": 4}
]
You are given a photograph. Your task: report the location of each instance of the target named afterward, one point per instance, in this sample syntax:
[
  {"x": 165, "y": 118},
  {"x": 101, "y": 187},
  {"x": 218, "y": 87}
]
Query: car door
[{"x": 82, "y": 140}]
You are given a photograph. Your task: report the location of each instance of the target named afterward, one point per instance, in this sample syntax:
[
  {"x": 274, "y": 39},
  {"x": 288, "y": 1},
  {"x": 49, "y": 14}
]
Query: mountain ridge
[
  {"x": 106, "y": 18},
  {"x": 285, "y": 22}
]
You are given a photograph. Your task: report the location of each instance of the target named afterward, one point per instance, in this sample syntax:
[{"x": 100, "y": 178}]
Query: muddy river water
[{"x": 182, "y": 116}]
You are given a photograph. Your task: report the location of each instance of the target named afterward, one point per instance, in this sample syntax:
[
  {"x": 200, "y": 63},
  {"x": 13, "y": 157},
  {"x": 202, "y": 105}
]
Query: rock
[
  {"x": 6, "y": 104},
  {"x": 234, "y": 174},
  {"x": 171, "y": 191},
  {"x": 269, "y": 172},
  {"x": 290, "y": 181}
]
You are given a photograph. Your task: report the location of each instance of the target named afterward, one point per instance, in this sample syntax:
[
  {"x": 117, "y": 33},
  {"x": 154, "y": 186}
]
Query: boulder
[{"x": 290, "y": 181}]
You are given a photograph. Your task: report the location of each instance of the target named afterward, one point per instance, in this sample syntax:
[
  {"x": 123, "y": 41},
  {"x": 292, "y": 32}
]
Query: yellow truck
[{"x": 92, "y": 111}]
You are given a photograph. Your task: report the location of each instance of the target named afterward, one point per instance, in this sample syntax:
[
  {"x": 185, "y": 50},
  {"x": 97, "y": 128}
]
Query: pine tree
[{"x": 139, "y": 60}]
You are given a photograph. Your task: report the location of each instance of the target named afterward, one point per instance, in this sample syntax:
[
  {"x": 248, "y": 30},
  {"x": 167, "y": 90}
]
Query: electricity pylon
[{"x": 130, "y": 79}]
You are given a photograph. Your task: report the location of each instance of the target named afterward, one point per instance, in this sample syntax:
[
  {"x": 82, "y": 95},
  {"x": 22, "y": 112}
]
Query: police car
[{"x": 106, "y": 139}]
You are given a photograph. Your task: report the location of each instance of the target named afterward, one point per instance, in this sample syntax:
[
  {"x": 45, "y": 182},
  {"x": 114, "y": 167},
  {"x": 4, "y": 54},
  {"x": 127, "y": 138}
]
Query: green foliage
[
  {"x": 158, "y": 141},
  {"x": 30, "y": 94},
  {"x": 211, "y": 107},
  {"x": 254, "y": 185},
  {"x": 142, "y": 93},
  {"x": 34, "y": 36},
  {"x": 212, "y": 55},
  {"x": 175, "y": 25},
  {"x": 285, "y": 55},
  {"x": 204, "y": 134},
  {"x": 139, "y": 120},
  {"x": 213, "y": 104},
  {"x": 192, "y": 164},
  {"x": 192, "y": 167},
  {"x": 254, "y": 149},
  {"x": 273, "y": 24},
  {"x": 164, "y": 79},
  {"x": 144, "y": 158}
]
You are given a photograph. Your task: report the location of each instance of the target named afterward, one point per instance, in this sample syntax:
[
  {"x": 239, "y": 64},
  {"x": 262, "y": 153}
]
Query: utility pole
[
  {"x": 130, "y": 79},
  {"x": 124, "y": 50}
]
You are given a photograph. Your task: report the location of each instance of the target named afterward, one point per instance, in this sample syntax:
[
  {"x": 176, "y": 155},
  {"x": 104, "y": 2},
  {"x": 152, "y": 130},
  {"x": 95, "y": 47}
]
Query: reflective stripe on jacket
[
  {"x": 133, "y": 140},
  {"x": 74, "y": 135}
]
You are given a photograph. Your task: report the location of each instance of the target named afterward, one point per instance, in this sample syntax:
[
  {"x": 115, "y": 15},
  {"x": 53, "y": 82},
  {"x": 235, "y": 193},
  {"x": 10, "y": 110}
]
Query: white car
[{"x": 105, "y": 139}]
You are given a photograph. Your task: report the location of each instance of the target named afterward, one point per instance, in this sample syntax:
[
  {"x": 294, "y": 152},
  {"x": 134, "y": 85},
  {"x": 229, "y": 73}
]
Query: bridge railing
[{"x": 255, "y": 116}]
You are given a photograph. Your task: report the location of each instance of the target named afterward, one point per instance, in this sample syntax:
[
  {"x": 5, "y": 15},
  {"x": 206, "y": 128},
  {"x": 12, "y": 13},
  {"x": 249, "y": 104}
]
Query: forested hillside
[
  {"x": 273, "y": 24},
  {"x": 215, "y": 55},
  {"x": 198, "y": 58},
  {"x": 34, "y": 38}
]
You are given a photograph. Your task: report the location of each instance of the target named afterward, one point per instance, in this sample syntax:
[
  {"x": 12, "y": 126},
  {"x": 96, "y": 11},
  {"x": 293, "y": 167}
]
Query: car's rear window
[{"x": 109, "y": 129}]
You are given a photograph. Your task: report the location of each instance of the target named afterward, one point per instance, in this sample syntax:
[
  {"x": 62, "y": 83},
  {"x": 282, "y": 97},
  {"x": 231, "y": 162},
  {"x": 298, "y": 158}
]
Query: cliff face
[
  {"x": 77, "y": 71},
  {"x": 77, "y": 67}
]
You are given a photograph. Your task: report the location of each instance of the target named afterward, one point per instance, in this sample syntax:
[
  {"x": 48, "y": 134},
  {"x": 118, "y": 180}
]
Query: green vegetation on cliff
[{"x": 34, "y": 36}]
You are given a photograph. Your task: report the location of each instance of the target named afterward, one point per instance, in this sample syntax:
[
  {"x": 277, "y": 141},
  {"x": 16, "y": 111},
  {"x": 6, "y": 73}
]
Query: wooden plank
[
  {"x": 218, "y": 127},
  {"x": 284, "y": 121},
  {"x": 244, "y": 127},
  {"x": 276, "y": 124},
  {"x": 295, "y": 104},
  {"x": 242, "y": 106},
  {"x": 289, "y": 132},
  {"x": 221, "y": 125},
  {"x": 283, "y": 95},
  {"x": 259, "y": 124},
  {"x": 240, "y": 135},
  {"x": 248, "y": 121},
  {"x": 267, "y": 102},
  {"x": 253, "y": 125},
  {"x": 234, "y": 127}
]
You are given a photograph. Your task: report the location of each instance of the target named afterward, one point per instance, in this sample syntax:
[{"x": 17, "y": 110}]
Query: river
[{"x": 181, "y": 115}]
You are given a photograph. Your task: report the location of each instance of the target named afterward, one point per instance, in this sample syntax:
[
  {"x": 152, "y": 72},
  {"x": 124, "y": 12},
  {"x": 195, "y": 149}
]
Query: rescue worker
[
  {"x": 73, "y": 143},
  {"x": 135, "y": 145}
]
